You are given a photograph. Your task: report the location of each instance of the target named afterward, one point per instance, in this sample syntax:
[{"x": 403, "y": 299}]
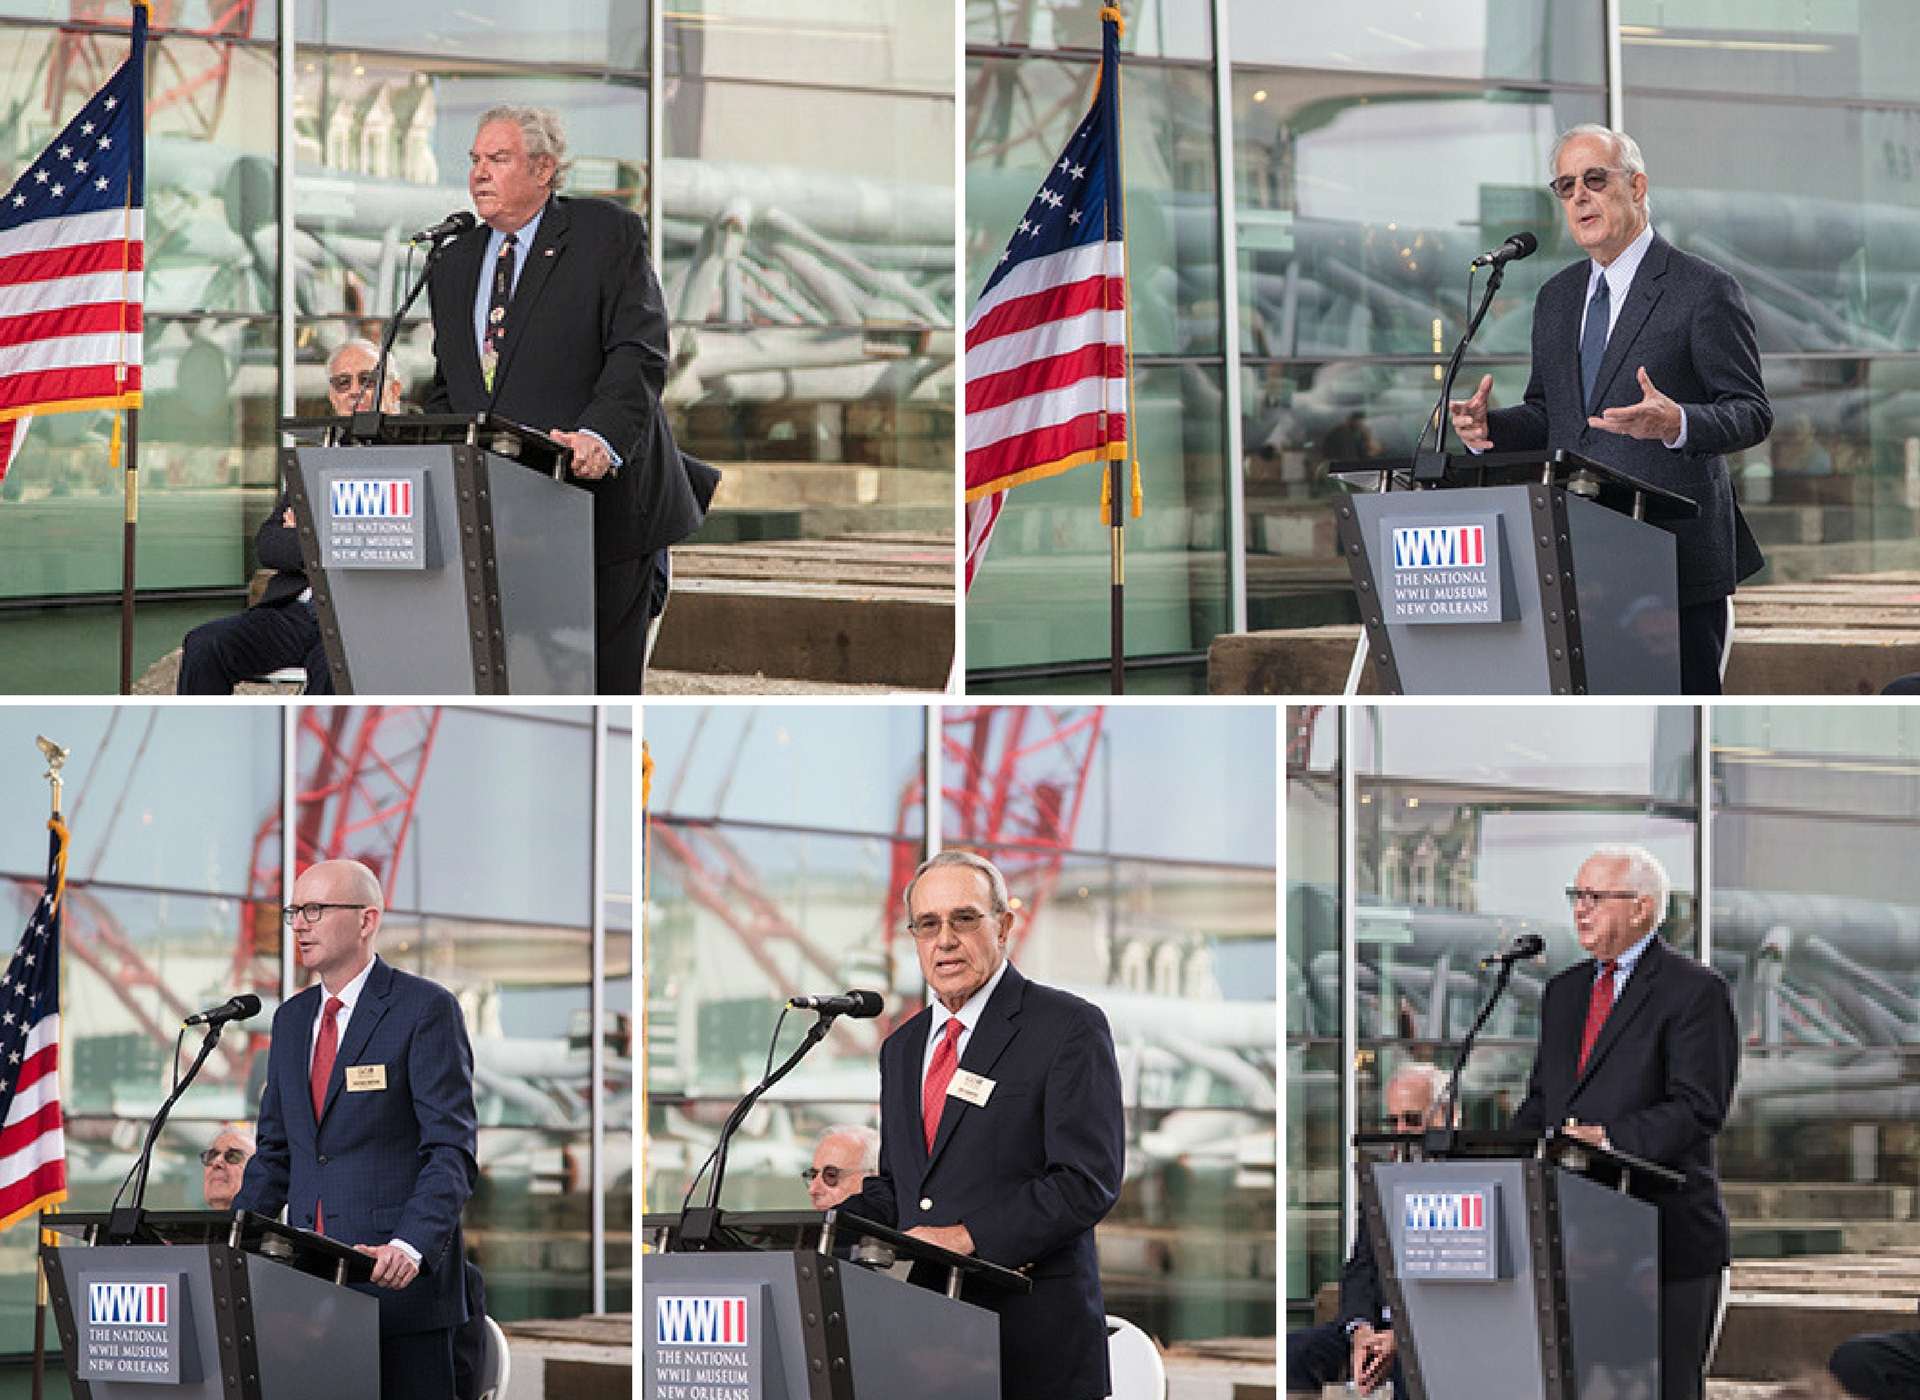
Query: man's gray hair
[
  {"x": 1626, "y": 152},
  {"x": 1645, "y": 874},
  {"x": 234, "y": 1130},
  {"x": 358, "y": 342},
  {"x": 967, "y": 859},
  {"x": 868, "y": 1138},
  {"x": 541, "y": 129},
  {"x": 1421, "y": 1072}
]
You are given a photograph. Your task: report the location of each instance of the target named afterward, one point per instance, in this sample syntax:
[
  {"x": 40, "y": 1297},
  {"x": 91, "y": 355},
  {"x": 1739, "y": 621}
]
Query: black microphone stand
[
  {"x": 123, "y": 1222},
  {"x": 700, "y": 1225},
  {"x": 1431, "y": 467},
  {"x": 1444, "y": 1139},
  {"x": 365, "y": 423}
]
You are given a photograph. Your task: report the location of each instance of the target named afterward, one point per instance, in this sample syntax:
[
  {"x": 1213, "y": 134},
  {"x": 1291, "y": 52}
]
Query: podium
[
  {"x": 446, "y": 555},
  {"x": 210, "y": 1305},
  {"x": 1513, "y": 573},
  {"x": 1516, "y": 1266},
  {"x": 792, "y": 1305}
]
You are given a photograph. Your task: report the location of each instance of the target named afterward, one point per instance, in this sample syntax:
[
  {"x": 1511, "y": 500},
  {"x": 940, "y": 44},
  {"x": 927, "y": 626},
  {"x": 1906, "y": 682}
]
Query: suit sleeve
[
  {"x": 440, "y": 1071},
  {"x": 1531, "y": 1116},
  {"x": 1702, "y": 1057},
  {"x": 263, "y": 1186},
  {"x": 1523, "y": 428},
  {"x": 437, "y": 398},
  {"x": 633, "y": 332},
  {"x": 276, "y": 545},
  {"x": 1735, "y": 413},
  {"x": 1361, "y": 1297},
  {"x": 877, "y": 1200},
  {"x": 1084, "y": 1130}
]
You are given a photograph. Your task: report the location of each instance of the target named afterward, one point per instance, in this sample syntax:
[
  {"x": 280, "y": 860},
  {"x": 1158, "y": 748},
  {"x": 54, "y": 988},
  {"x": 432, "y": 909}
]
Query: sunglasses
[
  {"x": 833, "y": 1176},
  {"x": 340, "y": 383},
  {"x": 232, "y": 1156},
  {"x": 1407, "y": 1122},
  {"x": 1594, "y": 179}
]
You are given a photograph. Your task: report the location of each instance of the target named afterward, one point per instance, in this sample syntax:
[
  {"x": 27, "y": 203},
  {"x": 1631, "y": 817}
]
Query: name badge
[
  {"x": 975, "y": 1089},
  {"x": 361, "y": 1078}
]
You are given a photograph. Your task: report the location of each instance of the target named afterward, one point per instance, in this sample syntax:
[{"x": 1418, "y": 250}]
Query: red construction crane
[{"x": 189, "y": 69}]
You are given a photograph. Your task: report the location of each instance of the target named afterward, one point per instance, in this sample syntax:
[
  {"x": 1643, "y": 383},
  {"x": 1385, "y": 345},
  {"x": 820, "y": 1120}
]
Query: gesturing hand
[
  {"x": 1656, "y": 416},
  {"x": 1470, "y": 416},
  {"x": 392, "y": 1266}
]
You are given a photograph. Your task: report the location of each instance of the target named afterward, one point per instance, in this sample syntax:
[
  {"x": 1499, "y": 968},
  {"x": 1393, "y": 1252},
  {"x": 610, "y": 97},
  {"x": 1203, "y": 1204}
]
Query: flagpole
[
  {"x": 1116, "y": 512},
  {"x": 130, "y": 527},
  {"x": 56, "y": 756}
]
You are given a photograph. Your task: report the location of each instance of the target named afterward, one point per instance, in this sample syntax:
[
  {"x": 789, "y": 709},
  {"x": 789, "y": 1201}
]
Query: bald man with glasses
[
  {"x": 1638, "y": 1051},
  {"x": 1644, "y": 359}
]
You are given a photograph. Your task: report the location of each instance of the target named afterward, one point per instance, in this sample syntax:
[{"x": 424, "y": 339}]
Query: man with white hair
[
  {"x": 281, "y": 629},
  {"x": 1638, "y": 1051},
  {"x": 1644, "y": 359},
  {"x": 222, "y": 1165},
  {"x": 845, "y": 1156},
  {"x": 548, "y": 313}
]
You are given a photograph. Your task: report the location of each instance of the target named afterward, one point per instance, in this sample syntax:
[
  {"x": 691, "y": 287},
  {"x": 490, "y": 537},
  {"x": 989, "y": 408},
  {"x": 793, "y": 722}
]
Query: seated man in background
[
  {"x": 1360, "y": 1342},
  {"x": 223, "y": 1164},
  {"x": 281, "y": 629},
  {"x": 845, "y": 1156}
]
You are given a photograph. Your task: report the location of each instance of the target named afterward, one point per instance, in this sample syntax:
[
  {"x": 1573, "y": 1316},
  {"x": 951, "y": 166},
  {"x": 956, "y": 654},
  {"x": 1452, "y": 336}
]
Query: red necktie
[
  {"x": 1598, "y": 1006},
  {"x": 325, "y": 1049},
  {"x": 933, "y": 1094}
]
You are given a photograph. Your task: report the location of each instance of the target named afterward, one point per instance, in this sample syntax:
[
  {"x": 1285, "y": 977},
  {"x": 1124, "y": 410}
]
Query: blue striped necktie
[{"x": 1593, "y": 342}]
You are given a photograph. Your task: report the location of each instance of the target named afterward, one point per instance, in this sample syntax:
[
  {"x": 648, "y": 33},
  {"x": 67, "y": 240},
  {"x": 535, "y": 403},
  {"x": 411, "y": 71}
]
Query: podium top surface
[
  {"x": 1609, "y": 485},
  {"x": 799, "y": 1230},
  {"x": 1582, "y": 1158},
  {"x": 256, "y": 1234},
  {"x": 501, "y": 436}
]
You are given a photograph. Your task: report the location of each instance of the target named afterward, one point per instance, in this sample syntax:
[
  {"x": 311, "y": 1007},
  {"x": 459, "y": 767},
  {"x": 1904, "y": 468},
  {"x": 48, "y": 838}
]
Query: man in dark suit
[
  {"x": 549, "y": 314},
  {"x": 1002, "y": 1131},
  {"x": 281, "y": 629},
  {"x": 367, "y": 1126},
  {"x": 1360, "y": 1342},
  {"x": 1638, "y": 1051},
  {"x": 1644, "y": 359}
]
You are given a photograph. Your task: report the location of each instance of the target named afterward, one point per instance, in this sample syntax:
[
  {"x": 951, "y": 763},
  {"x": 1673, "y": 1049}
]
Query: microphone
[
  {"x": 858, "y": 1004},
  {"x": 1527, "y": 945},
  {"x": 460, "y": 220},
  {"x": 236, "y": 1009},
  {"x": 1521, "y": 245}
]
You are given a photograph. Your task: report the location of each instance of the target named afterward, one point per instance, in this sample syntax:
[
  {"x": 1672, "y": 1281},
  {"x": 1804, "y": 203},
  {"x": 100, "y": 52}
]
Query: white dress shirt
[{"x": 968, "y": 1016}]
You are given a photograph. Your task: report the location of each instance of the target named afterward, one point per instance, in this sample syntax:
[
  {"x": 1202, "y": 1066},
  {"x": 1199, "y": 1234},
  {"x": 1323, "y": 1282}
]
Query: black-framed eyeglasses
[
  {"x": 312, "y": 912},
  {"x": 340, "y": 383},
  {"x": 1594, "y": 178},
  {"x": 232, "y": 1156},
  {"x": 1407, "y": 1122},
  {"x": 962, "y": 922},
  {"x": 1578, "y": 894},
  {"x": 833, "y": 1176}
]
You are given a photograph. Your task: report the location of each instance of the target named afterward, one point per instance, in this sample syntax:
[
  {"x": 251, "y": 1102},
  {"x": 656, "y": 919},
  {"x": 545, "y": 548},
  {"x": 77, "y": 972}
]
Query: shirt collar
[
  {"x": 525, "y": 235},
  {"x": 969, "y": 1014},
  {"x": 1624, "y": 964},
  {"x": 1619, "y": 272},
  {"x": 350, "y": 994}
]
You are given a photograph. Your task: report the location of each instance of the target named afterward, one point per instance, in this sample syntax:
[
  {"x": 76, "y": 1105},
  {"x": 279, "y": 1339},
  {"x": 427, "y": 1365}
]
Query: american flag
[
  {"x": 1047, "y": 343},
  {"x": 33, "y": 1142},
  {"x": 71, "y": 256}
]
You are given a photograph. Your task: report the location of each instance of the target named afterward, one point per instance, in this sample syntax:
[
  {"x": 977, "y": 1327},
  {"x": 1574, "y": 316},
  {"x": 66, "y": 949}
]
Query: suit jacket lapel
[
  {"x": 1629, "y": 1005},
  {"x": 1641, "y": 297},
  {"x": 304, "y": 1009},
  {"x": 462, "y": 261},
  {"x": 984, "y": 1047},
  {"x": 549, "y": 246},
  {"x": 366, "y": 1014},
  {"x": 906, "y": 1104}
]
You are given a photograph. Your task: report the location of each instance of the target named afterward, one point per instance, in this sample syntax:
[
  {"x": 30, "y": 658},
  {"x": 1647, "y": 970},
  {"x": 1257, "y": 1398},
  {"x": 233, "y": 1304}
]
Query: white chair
[
  {"x": 295, "y": 676},
  {"x": 497, "y": 1365},
  {"x": 1138, "y": 1371}
]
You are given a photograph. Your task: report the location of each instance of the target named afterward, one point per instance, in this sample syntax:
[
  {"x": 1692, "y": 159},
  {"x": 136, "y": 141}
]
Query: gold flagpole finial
[{"x": 56, "y": 757}]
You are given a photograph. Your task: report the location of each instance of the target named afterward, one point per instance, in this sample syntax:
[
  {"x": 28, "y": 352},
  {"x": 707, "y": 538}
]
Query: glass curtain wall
[
  {"x": 1467, "y": 824},
  {"x": 779, "y": 845},
  {"x": 1816, "y": 924},
  {"x": 175, "y": 885}
]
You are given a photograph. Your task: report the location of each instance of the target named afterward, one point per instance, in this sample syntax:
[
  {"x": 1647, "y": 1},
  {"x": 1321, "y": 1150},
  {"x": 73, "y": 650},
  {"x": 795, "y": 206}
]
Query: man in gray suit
[{"x": 1643, "y": 359}]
